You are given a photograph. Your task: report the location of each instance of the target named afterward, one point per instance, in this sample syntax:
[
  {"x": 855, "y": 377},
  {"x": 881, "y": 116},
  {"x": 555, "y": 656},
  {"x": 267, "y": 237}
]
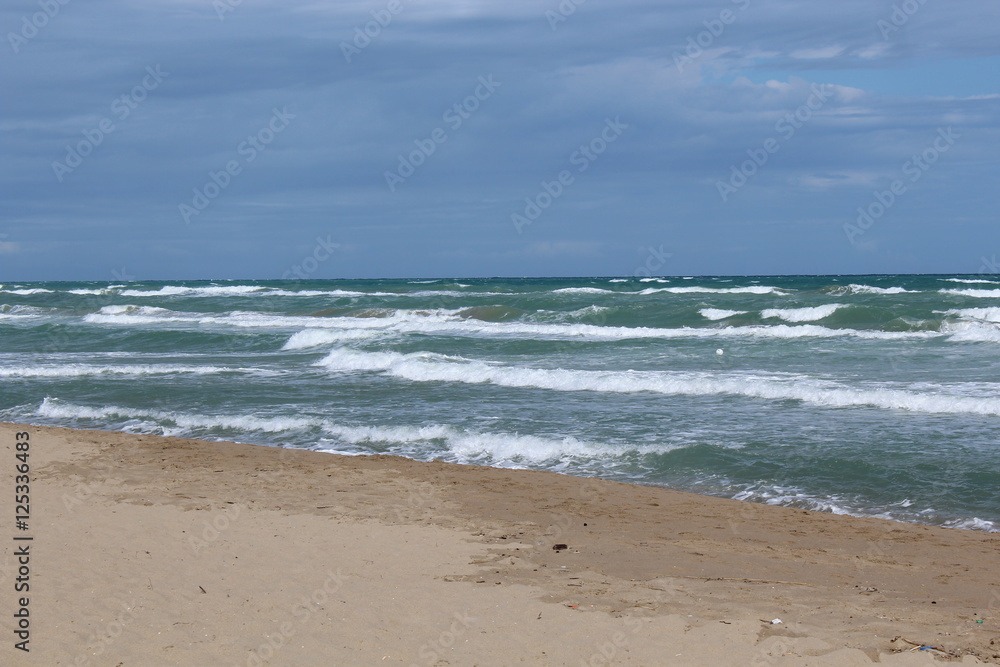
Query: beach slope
[{"x": 148, "y": 550}]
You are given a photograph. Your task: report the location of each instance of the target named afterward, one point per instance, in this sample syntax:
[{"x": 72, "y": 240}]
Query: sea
[{"x": 863, "y": 395}]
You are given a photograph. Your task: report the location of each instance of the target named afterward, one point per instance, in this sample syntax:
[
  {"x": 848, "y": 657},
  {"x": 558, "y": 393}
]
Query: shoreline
[{"x": 230, "y": 552}]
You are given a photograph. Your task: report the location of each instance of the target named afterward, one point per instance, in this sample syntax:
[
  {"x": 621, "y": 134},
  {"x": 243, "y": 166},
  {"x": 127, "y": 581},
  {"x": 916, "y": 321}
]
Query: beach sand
[{"x": 167, "y": 551}]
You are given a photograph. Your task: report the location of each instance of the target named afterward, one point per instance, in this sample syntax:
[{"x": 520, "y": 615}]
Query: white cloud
[
  {"x": 818, "y": 53},
  {"x": 873, "y": 51}
]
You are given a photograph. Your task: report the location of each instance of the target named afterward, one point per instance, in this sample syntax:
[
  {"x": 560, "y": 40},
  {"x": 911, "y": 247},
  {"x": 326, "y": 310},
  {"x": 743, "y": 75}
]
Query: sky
[{"x": 242, "y": 139}]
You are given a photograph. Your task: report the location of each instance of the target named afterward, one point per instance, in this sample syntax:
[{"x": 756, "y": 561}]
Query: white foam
[
  {"x": 449, "y": 322},
  {"x": 618, "y": 280},
  {"x": 837, "y": 504},
  {"x": 132, "y": 314},
  {"x": 16, "y": 312},
  {"x": 430, "y": 368},
  {"x": 82, "y": 370},
  {"x": 345, "y": 359},
  {"x": 988, "y": 314},
  {"x": 318, "y": 337},
  {"x": 27, "y": 292},
  {"x": 802, "y": 314},
  {"x": 971, "y": 281},
  {"x": 461, "y": 443},
  {"x": 58, "y": 409},
  {"x": 752, "y": 289},
  {"x": 978, "y": 293},
  {"x": 975, "y": 523},
  {"x": 175, "y": 290},
  {"x": 720, "y": 313},
  {"x": 583, "y": 290},
  {"x": 971, "y": 332},
  {"x": 587, "y": 311},
  {"x": 868, "y": 289}
]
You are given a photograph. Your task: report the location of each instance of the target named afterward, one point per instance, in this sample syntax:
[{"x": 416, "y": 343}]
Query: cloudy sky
[{"x": 161, "y": 139}]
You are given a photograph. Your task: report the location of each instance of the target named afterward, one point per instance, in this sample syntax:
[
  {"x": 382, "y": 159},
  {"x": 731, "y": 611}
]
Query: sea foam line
[
  {"x": 82, "y": 370},
  {"x": 462, "y": 443},
  {"x": 808, "y": 314},
  {"x": 424, "y": 367},
  {"x": 450, "y": 323},
  {"x": 978, "y": 293}
]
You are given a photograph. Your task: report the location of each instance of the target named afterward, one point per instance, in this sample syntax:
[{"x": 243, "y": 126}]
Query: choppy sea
[{"x": 864, "y": 395}]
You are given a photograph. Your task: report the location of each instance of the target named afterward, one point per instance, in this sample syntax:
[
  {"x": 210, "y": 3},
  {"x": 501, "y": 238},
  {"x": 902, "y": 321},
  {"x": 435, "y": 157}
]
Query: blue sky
[{"x": 394, "y": 138}]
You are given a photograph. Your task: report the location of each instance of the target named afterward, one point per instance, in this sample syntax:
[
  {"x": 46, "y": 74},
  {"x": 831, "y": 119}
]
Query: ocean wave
[
  {"x": 587, "y": 311},
  {"x": 583, "y": 290},
  {"x": 975, "y": 523},
  {"x": 978, "y": 293},
  {"x": 229, "y": 291},
  {"x": 54, "y": 408},
  {"x": 753, "y": 289},
  {"x": 83, "y": 370},
  {"x": 211, "y": 291},
  {"x": 27, "y": 292},
  {"x": 17, "y": 312},
  {"x": 988, "y": 314},
  {"x": 424, "y": 367},
  {"x": 462, "y": 444},
  {"x": 309, "y": 338},
  {"x": 133, "y": 314},
  {"x": 450, "y": 322},
  {"x": 104, "y": 291},
  {"x": 803, "y": 314},
  {"x": 836, "y": 504},
  {"x": 971, "y": 281},
  {"x": 841, "y": 290},
  {"x": 971, "y": 332},
  {"x": 715, "y": 314}
]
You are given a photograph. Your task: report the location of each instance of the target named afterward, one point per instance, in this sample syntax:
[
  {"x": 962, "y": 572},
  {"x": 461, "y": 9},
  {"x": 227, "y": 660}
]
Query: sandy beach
[{"x": 163, "y": 551}]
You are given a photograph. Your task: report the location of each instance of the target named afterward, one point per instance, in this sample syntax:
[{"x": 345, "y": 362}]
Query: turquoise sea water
[{"x": 868, "y": 395}]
